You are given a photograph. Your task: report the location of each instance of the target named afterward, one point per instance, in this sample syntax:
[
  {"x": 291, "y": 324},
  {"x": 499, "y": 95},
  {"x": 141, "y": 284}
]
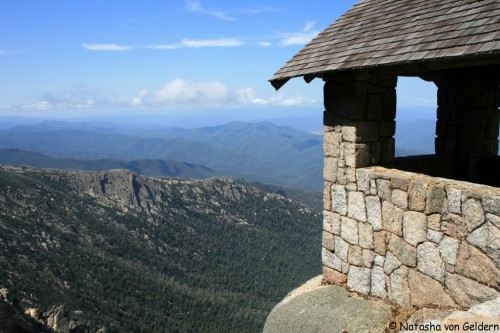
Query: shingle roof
[{"x": 388, "y": 32}]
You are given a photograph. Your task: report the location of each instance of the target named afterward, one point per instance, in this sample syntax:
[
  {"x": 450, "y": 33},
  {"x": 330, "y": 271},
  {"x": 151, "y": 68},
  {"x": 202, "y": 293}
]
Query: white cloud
[
  {"x": 107, "y": 47},
  {"x": 223, "y": 42},
  {"x": 223, "y": 16},
  {"x": 43, "y": 105},
  {"x": 264, "y": 44},
  {"x": 136, "y": 101},
  {"x": 248, "y": 96},
  {"x": 77, "y": 97},
  {"x": 198, "y": 43},
  {"x": 301, "y": 37},
  {"x": 181, "y": 92},
  {"x": 165, "y": 46},
  {"x": 308, "y": 26},
  {"x": 184, "y": 92},
  {"x": 175, "y": 93},
  {"x": 281, "y": 99},
  {"x": 195, "y": 6},
  {"x": 298, "y": 38},
  {"x": 259, "y": 10}
]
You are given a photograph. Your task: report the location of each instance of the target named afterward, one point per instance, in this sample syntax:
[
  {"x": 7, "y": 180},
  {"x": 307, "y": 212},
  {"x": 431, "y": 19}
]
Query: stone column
[
  {"x": 359, "y": 125},
  {"x": 468, "y": 117}
]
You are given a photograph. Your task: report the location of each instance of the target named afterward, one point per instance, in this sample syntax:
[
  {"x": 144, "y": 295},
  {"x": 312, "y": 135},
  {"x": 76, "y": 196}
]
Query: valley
[{"x": 135, "y": 253}]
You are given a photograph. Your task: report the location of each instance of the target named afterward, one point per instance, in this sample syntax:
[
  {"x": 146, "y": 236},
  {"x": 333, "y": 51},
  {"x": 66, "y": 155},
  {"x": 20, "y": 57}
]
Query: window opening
[{"x": 415, "y": 117}]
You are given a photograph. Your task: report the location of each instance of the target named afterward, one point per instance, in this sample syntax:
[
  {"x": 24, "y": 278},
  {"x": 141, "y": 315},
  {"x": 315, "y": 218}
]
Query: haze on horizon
[{"x": 95, "y": 58}]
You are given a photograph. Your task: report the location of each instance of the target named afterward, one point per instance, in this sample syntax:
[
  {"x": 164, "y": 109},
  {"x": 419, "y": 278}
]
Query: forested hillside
[{"x": 138, "y": 254}]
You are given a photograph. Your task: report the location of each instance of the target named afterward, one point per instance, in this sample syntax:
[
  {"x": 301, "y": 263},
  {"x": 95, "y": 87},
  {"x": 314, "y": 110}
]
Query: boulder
[{"x": 313, "y": 308}]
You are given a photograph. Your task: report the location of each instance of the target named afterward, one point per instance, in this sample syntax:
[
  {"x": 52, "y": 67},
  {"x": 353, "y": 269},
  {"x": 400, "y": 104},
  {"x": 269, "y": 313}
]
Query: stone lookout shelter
[{"x": 421, "y": 230}]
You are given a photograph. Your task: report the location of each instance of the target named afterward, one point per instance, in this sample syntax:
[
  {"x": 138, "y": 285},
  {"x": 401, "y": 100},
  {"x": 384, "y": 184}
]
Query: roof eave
[
  {"x": 278, "y": 83},
  {"x": 405, "y": 68}
]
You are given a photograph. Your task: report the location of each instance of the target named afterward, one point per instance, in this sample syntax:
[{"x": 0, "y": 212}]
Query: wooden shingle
[{"x": 396, "y": 33}]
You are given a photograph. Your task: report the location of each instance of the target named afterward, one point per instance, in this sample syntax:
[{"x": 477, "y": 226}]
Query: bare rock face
[
  {"x": 4, "y": 293},
  {"x": 119, "y": 186},
  {"x": 58, "y": 319},
  {"x": 316, "y": 308},
  {"x": 128, "y": 191}
]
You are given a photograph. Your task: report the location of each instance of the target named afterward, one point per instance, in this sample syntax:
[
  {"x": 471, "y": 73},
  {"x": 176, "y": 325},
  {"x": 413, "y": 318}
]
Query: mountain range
[
  {"x": 260, "y": 151},
  {"x": 14, "y": 156}
]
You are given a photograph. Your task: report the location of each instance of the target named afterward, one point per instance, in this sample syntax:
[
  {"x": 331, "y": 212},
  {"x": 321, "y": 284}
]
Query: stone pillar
[
  {"x": 359, "y": 125},
  {"x": 468, "y": 117}
]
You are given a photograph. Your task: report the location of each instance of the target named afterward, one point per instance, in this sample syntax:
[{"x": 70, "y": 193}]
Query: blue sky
[{"x": 61, "y": 57}]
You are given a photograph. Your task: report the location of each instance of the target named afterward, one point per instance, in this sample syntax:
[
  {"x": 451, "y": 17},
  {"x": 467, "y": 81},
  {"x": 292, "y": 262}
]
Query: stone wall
[
  {"x": 360, "y": 109},
  {"x": 414, "y": 239}
]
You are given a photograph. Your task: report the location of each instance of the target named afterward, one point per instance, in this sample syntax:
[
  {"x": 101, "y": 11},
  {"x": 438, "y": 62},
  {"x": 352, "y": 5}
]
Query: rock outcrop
[
  {"x": 61, "y": 319},
  {"x": 58, "y": 319},
  {"x": 119, "y": 186},
  {"x": 316, "y": 308}
]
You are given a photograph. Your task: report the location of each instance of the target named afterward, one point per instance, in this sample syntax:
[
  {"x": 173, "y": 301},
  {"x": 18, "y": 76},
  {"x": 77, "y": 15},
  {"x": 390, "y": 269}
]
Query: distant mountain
[
  {"x": 261, "y": 151},
  {"x": 163, "y": 168},
  {"x": 415, "y": 137},
  {"x": 293, "y": 157},
  {"x": 137, "y": 254}
]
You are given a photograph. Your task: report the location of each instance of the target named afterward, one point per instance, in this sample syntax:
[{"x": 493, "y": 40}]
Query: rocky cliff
[{"x": 119, "y": 187}]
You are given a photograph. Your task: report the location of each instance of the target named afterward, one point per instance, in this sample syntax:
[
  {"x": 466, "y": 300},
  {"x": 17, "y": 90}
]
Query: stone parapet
[{"x": 414, "y": 239}]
